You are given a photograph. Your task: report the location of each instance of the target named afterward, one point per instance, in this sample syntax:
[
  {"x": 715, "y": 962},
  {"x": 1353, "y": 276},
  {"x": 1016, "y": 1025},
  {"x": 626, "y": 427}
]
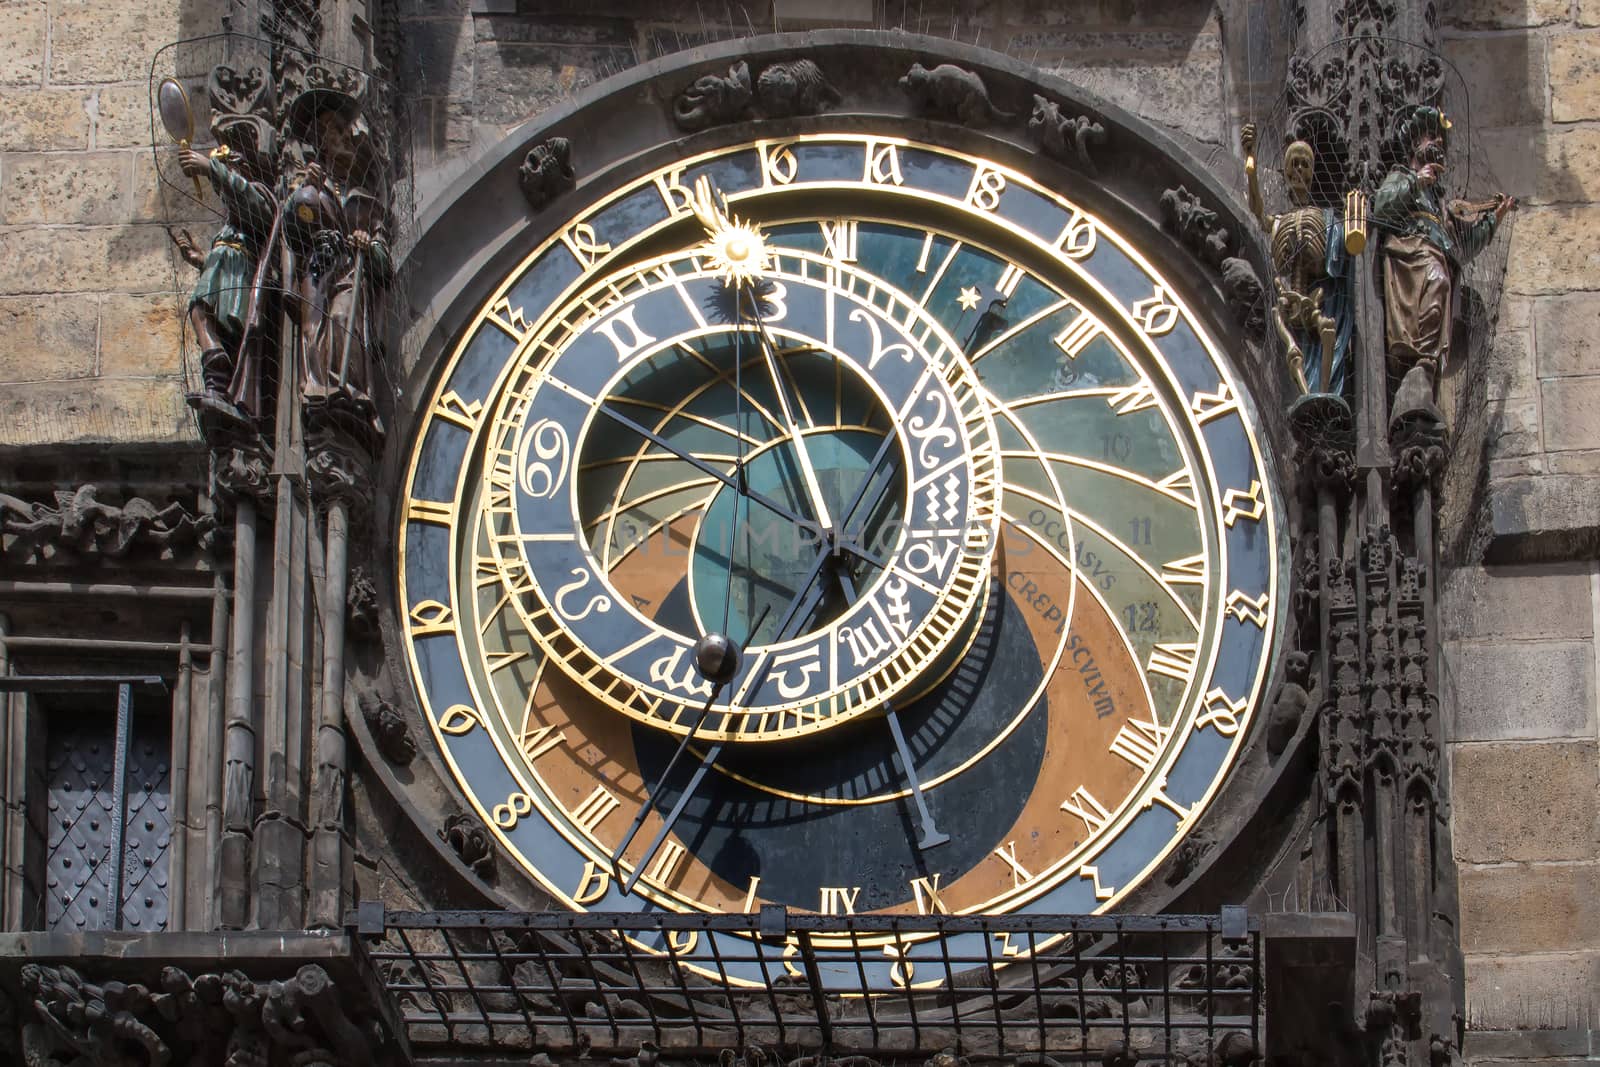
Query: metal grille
[
  {"x": 1163, "y": 986},
  {"x": 85, "y": 821}
]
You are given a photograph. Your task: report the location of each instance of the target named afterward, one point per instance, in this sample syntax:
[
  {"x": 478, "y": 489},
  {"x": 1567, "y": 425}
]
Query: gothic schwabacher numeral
[
  {"x": 1101, "y": 892},
  {"x": 1238, "y": 505},
  {"x": 883, "y": 164},
  {"x": 1251, "y": 609},
  {"x": 988, "y": 185},
  {"x": 1140, "y": 742},
  {"x": 838, "y": 900},
  {"x": 429, "y": 617},
  {"x": 1207, "y": 406},
  {"x": 1173, "y": 660},
  {"x": 464, "y": 413},
  {"x": 582, "y": 241},
  {"x": 509, "y": 319},
  {"x": 1078, "y": 237},
  {"x": 1155, "y": 314},
  {"x": 778, "y": 165},
  {"x": 1083, "y": 804}
]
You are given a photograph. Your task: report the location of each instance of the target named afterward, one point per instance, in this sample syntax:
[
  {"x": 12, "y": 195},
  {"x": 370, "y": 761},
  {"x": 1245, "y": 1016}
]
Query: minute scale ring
[{"x": 937, "y": 568}]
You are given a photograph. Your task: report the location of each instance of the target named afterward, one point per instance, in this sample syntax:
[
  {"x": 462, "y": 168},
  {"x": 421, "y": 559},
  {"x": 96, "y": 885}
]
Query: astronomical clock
[{"x": 831, "y": 512}]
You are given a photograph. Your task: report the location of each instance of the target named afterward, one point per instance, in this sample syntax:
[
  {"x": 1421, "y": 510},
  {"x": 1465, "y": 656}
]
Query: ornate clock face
[{"x": 955, "y": 472}]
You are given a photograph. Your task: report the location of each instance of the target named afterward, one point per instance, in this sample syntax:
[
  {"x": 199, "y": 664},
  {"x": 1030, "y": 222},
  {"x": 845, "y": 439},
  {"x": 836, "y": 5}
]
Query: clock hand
[
  {"x": 807, "y": 470},
  {"x": 932, "y": 836},
  {"x": 729, "y": 480}
]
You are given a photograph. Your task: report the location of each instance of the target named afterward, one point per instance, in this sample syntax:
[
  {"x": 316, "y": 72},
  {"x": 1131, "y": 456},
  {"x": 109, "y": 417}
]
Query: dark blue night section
[
  {"x": 1112, "y": 268},
  {"x": 1030, "y": 211},
  {"x": 481, "y": 363},
  {"x": 439, "y": 463},
  {"x": 1238, "y": 657},
  {"x": 542, "y": 284},
  {"x": 427, "y": 562},
  {"x": 737, "y": 172},
  {"x": 632, "y": 215},
  {"x": 1231, "y": 455},
  {"x": 594, "y": 356},
  {"x": 1139, "y": 843},
  {"x": 442, "y": 674},
  {"x": 830, "y": 162},
  {"x": 1191, "y": 364},
  {"x": 1198, "y": 765},
  {"x": 1250, "y": 555},
  {"x": 936, "y": 173}
]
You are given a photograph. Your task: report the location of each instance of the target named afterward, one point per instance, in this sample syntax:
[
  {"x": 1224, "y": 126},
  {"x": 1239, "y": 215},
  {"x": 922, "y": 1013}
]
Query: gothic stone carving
[
  {"x": 546, "y": 172},
  {"x": 467, "y": 837},
  {"x": 951, "y": 93},
  {"x": 1066, "y": 138},
  {"x": 69, "y": 1021},
  {"x": 795, "y": 87},
  {"x": 79, "y": 524},
  {"x": 389, "y": 731},
  {"x": 1201, "y": 230}
]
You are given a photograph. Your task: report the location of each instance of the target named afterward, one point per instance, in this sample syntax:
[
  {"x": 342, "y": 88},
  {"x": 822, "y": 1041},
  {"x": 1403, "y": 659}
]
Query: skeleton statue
[
  {"x": 1426, "y": 242},
  {"x": 1313, "y": 314},
  {"x": 338, "y": 228}
]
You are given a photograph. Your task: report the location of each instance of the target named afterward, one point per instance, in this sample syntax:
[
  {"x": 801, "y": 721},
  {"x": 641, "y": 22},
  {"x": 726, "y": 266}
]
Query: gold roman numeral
[
  {"x": 595, "y": 807},
  {"x": 1077, "y": 336},
  {"x": 1020, "y": 875},
  {"x": 1207, "y": 406},
  {"x": 840, "y": 235},
  {"x": 837, "y": 900},
  {"x": 926, "y": 892},
  {"x": 1083, "y": 804},
  {"x": 665, "y": 868},
  {"x": 535, "y": 743},
  {"x": 439, "y": 512},
  {"x": 1140, "y": 742},
  {"x": 1173, "y": 660}
]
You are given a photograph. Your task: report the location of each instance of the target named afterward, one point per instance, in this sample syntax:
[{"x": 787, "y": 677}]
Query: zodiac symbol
[
  {"x": 598, "y": 602},
  {"x": 929, "y": 432},
  {"x": 546, "y": 441}
]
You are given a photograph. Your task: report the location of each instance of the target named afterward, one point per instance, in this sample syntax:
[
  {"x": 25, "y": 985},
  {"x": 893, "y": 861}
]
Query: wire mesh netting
[
  {"x": 1171, "y": 986},
  {"x": 283, "y": 180}
]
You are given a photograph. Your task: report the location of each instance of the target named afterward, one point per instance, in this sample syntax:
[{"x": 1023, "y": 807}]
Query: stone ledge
[
  {"x": 1544, "y": 517},
  {"x": 1528, "y": 1044}
]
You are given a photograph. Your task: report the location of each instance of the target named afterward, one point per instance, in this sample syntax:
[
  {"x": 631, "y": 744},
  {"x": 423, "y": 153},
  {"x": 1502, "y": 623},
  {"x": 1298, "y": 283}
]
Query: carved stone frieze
[
  {"x": 952, "y": 94},
  {"x": 546, "y": 172},
  {"x": 76, "y": 524},
  {"x": 784, "y": 89},
  {"x": 388, "y": 727},
  {"x": 1196, "y": 225},
  {"x": 1065, "y": 138},
  {"x": 242, "y": 472},
  {"x": 218, "y": 1017}
]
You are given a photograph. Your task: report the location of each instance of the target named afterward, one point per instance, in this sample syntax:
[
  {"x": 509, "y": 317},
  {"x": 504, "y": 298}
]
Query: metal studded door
[{"x": 81, "y": 803}]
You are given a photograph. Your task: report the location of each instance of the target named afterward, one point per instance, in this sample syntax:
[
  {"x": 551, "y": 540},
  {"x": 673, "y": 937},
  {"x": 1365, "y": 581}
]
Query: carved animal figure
[
  {"x": 794, "y": 88},
  {"x": 1290, "y": 705},
  {"x": 1064, "y": 137},
  {"x": 713, "y": 100},
  {"x": 952, "y": 93},
  {"x": 546, "y": 172}
]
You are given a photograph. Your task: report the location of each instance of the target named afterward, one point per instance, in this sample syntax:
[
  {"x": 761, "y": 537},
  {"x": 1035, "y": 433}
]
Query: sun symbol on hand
[{"x": 736, "y": 249}]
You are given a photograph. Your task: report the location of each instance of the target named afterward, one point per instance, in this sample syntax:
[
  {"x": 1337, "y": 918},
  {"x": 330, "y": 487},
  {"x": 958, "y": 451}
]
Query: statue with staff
[
  {"x": 338, "y": 229},
  {"x": 228, "y": 306}
]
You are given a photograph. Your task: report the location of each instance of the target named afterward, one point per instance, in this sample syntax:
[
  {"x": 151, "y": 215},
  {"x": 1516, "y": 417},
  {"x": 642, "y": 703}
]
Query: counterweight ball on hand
[{"x": 717, "y": 657}]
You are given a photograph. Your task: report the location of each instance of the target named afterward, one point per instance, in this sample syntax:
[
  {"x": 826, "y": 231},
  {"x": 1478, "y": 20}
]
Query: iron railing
[{"x": 1163, "y": 986}]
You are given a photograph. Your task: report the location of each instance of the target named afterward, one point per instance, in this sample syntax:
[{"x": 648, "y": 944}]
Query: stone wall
[
  {"x": 1519, "y": 632},
  {"x": 89, "y": 311},
  {"x": 479, "y": 68}
]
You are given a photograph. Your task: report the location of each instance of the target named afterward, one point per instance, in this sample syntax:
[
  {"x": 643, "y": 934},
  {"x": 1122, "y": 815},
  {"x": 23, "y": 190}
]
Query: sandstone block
[
  {"x": 22, "y": 28},
  {"x": 1507, "y": 75},
  {"x": 1554, "y": 250},
  {"x": 1524, "y": 601},
  {"x": 122, "y": 115},
  {"x": 1565, "y": 328},
  {"x": 1512, "y": 992},
  {"x": 1510, "y": 365},
  {"x": 85, "y": 187},
  {"x": 43, "y": 338},
  {"x": 1545, "y": 513},
  {"x": 1178, "y": 89},
  {"x": 515, "y": 82},
  {"x": 1574, "y": 77},
  {"x": 1570, "y": 412},
  {"x": 1514, "y": 429},
  {"x": 1584, "y": 461},
  {"x": 1525, "y": 801},
  {"x": 95, "y": 411},
  {"x": 1546, "y": 164},
  {"x": 1530, "y": 908},
  {"x": 141, "y": 336},
  {"x": 42, "y": 120},
  {"x": 1505, "y": 14},
  {"x": 102, "y": 42},
  {"x": 1589, "y": 12},
  {"x": 135, "y": 259},
  {"x": 442, "y": 52},
  {"x": 1528, "y": 690}
]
